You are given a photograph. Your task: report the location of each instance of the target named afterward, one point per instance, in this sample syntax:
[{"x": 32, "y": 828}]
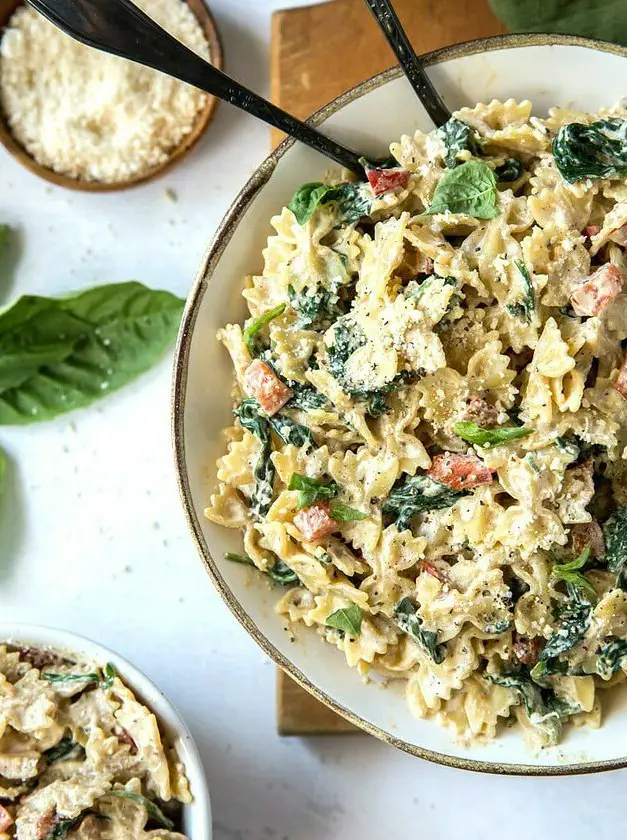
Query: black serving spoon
[
  {"x": 121, "y": 28},
  {"x": 413, "y": 68}
]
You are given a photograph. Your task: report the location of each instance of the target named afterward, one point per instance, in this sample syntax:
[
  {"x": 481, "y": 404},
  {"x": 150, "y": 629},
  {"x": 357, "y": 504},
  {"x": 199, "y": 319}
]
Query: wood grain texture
[{"x": 317, "y": 53}]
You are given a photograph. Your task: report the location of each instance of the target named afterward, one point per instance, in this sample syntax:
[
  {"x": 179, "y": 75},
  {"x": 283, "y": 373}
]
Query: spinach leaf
[
  {"x": 57, "y": 355},
  {"x": 62, "y": 828},
  {"x": 527, "y": 306},
  {"x": 282, "y": 574},
  {"x": 610, "y": 657},
  {"x": 615, "y": 532},
  {"x": 543, "y": 708},
  {"x": 249, "y": 415},
  {"x": 153, "y": 810},
  {"x": 573, "y": 616},
  {"x": 458, "y": 137},
  {"x": 598, "y": 150},
  {"x": 417, "y": 494},
  {"x": 279, "y": 573},
  {"x": 343, "y": 513},
  {"x": 604, "y": 19},
  {"x": 409, "y": 621},
  {"x": 347, "y": 338},
  {"x": 54, "y": 679},
  {"x": 470, "y": 189},
  {"x": 312, "y": 490},
  {"x": 347, "y": 620},
  {"x": 509, "y": 171},
  {"x": 291, "y": 432},
  {"x": 109, "y": 674},
  {"x": 306, "y": 398},
  {"x": 569, "y": 572},
  {"x": 486, "y": 438},
  {"x": 352, "y": 201},
  {"x": 425, "y": 286},
  {"x": 66, "y": 748},
  {"x": 317, "y": 308},
  {"x": 253, "y": 328}
]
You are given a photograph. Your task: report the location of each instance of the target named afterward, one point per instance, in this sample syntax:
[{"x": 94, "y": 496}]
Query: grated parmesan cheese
[{"x": 90, "y": 115}]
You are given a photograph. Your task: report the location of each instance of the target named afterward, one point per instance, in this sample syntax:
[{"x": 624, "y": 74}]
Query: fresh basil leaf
[
  {"x": 615, "y": 532},
  {"x": 598, "y": 150},
  {"x": 417, "y": 494},
  {"x": 407, "y": 618},
  {"x": 509, "y": 171},
  {"x": 458, "y": 137},
  {"x": 347, "y": 620},
  {"x": 153, "y": 810},
  {"x": 343, "y": 513},
  {"x": 604, "y": 19},
  {"x": 470, "y": 189},
  {"x": 253, "y": 328},
  {"x": 61, "y": 354},
  {"x": 570, "y": 572},
  {"x": 472, "y": 433},
  {"x": 526, "y": 307},
  {"x": 352, "y": 201},
  {"x": 312, "y": 490}
]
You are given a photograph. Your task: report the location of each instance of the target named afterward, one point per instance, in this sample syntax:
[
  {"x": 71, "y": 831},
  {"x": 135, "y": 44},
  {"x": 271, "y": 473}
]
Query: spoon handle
[
  {"x": 413, "y": 68},
  {"x": 121, "y": 28}
]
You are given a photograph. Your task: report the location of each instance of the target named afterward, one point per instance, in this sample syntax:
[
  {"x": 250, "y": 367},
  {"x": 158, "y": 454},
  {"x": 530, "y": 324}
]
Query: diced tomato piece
[
  {"x": 45, "y": 825},
  {"x": 588, "y": 533},
  {"x": 528, "y": 650},
  {"x": 598, "y": 291},
  {"x": 262, "y": 383},
  {"x": 621, "y": 382},
  {"x": 384, "y": 180},
  {"x": 459, "y": 472},
  {"x": 315, "y": 521},
  {"x": 6, "y": 820},
  {"x": 430, "y": 569},
  {"x": 619, "y": 236},
  {"x": 481, "y": 412},
  {"x": 591, "y": 231}
]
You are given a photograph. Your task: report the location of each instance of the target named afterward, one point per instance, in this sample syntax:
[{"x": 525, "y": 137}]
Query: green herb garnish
[
  {"x": 253, "y": 328},
  {"x": 347, "y": 620},
  {"x": 486, "y": 438},
  {"x": 469, "y": 189}
]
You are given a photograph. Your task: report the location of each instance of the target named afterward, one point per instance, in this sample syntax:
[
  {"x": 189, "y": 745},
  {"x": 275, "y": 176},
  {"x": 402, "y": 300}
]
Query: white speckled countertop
[{"x": 94, "y": 540}]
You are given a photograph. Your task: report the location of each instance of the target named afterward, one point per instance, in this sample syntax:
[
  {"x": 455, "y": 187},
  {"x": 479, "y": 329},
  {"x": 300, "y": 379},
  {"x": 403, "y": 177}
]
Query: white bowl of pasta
[
  {"x": 424, "y": 469},
  {"x": 89, "y": 741}
]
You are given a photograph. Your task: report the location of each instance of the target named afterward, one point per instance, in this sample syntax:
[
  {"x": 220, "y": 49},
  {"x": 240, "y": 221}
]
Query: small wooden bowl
[{"x": 204, "y": 18}]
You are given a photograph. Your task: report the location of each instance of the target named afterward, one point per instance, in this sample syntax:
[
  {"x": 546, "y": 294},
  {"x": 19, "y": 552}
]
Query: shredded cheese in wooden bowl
[{"x": 93, "y": 117}]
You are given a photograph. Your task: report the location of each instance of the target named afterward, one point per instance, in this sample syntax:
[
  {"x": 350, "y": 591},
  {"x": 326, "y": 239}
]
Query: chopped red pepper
[
  {"x": 315, "y": 521},
  {"x": 598, "y": 291},
  {"x": 460, "y": 472},
  {"x": 264, "y": 385},
  {"x": 384, "y": 180}
]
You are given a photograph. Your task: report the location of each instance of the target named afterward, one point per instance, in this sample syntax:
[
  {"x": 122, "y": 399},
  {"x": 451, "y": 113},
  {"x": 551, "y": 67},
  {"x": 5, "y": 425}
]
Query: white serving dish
[
  {"x": 196, "y": 817},
  {"x": 549, "y": 70}
]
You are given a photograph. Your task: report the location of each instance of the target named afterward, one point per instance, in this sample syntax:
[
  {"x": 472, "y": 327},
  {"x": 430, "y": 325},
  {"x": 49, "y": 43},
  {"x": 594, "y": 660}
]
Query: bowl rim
[
  {"x": 220, "y": 240},
  {"x": 149, "y": 693}
]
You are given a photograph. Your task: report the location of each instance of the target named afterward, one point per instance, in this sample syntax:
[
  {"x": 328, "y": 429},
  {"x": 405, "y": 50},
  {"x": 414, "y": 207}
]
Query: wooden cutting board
[{"x": 318, "y": 52}]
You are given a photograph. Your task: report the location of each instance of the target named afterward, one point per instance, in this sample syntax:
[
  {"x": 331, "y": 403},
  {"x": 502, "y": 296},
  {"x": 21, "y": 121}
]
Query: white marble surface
[{"x": 94, "y": 540}]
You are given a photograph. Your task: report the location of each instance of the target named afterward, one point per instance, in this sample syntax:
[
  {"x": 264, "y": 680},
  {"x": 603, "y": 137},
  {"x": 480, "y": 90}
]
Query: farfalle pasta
[
  {"x": 80, "y": 756},
  {"x": 430, "y": 437}
]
